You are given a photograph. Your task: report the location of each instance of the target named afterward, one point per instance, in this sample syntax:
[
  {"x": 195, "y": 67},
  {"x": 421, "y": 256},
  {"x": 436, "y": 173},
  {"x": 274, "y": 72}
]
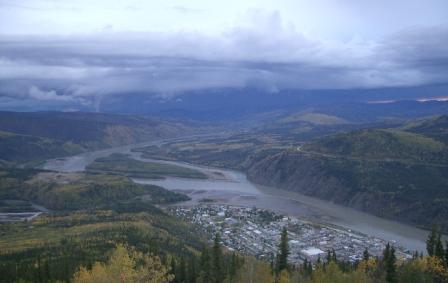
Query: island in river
[{"x": 233, "y": 188}]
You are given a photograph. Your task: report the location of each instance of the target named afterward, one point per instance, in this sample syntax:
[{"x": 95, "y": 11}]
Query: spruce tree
[
  {"x": 217, "y": 261},
  {"x": 310, "y": 268},
  {"x": 333, "y": 256},
  {"x": 205, "y": 275},
  {"x": 431, "y": 241},
  {"x": 307, "y": 267},
  {"x": 233, "y": 266},
  {"x": 283, "y": 253},
  {"x": 366, "y": 255},
  {"x": 192, "y": 271},
  {"x": 438, "y": 249},
  {"x": 446, "y": 253},
  {"x": 329, "y": 257},
  {"x": 390, "y": 260},
  {"x": 182, "y": 272}
]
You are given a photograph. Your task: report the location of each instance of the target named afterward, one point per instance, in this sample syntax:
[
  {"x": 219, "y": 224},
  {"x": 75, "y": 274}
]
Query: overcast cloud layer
[{"x": 261, "y": 48}]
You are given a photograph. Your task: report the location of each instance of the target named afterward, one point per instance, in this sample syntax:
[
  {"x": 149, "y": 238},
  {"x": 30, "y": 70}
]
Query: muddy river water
[{"x": 232, "y": 187}]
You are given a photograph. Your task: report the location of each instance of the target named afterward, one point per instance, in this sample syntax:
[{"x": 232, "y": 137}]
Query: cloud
[
  {"x": 262, "y": 51},
  {"x": 36, "y": 93}
]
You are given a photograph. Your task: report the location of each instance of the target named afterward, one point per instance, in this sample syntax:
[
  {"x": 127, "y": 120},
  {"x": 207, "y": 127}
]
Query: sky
[{"x": 80, "y": 52}]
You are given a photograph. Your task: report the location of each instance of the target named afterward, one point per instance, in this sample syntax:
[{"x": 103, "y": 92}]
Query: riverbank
[{"x": 235, "y": 189}]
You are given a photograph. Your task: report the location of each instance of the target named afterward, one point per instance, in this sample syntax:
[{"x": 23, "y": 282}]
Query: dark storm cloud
[{"x": 84, "y": 69}]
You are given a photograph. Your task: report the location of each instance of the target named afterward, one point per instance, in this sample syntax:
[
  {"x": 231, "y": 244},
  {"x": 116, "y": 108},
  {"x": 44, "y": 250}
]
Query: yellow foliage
[
  {"x": 284, "y": 277},
  {"x": 254, "y": 271},
  {"x": 122, "y": 267},
  {"x": 433, "y": 265}
]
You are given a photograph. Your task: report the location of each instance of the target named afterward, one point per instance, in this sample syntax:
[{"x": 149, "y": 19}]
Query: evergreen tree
[
  {"x": 234, "y": 266},
  {"x": 333, "y": 256},
  {"x": 205, "y": 275},
  {"x": 192, "y": 271},
  {"x": 389, "y": 260},
  {"x": 182, "y": 272},
  {"x": 307, "y": 267},
  {"x": 217, "y": 261},
  {"x": 310, "y": 268},
  {"x": 283, "y": 253},
  {"x": 431, "y": 241},
  {"x": 438, "y": 248},
  {"x": 446, "y": 253},
  {"x": 415, "y": 255},
  {"x": 366, "y": 255},
  {"x": 329, "y": 256}
]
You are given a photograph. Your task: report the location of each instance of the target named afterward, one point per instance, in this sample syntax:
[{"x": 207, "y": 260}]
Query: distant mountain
[
  {"x": 251, "y": 103},
  {"x": 28, "y": 136},
  {"x": 399, "y": 173}
]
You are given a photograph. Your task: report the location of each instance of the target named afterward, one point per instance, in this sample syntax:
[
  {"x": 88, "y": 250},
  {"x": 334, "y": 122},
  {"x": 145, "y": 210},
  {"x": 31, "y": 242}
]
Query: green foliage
[
  {"x": 283, "y": 252},
  {"x": 405, "y": 171},
  {"x": 434, "y": 245},
  {"x": 90, "y": 191},
  {"x": 121, "y": 164},
  {"x": 217, "y": 270},
  {"x": 31, "y": 136},
  {"x": 389, "y": 262},
  {"x": 22, "y": 148},
  {"x": 381, "y": 145}
]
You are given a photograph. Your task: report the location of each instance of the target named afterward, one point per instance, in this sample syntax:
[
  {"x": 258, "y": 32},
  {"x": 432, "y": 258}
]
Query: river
[{"x": 232, "y": 187}]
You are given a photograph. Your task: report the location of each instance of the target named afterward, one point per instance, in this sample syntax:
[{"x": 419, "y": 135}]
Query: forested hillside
[
  {"x": 42, "y": 135},
  {"x": 399, "y": 173}
]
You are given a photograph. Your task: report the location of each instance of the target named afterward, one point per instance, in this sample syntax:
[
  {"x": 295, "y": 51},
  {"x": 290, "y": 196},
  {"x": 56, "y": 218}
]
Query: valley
[
  {"x": 119, "y": 192},
  {"x": 237, "y": 190}
]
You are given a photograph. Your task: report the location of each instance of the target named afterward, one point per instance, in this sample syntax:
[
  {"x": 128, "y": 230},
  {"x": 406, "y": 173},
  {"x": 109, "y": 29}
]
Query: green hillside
[
  {"x": 395, "y": 173},
  {"x": 88, "y": 216},
  {"x": 35, "y": 136},
  {"x": 23, "y": 148},
  {"x": 381, "y": 145}
]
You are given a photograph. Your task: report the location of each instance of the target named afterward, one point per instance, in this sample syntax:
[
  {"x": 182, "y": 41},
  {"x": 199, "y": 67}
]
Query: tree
[
  {"x": 284, "y": 277},
  {"x": 389, "y": 260},
  {"x": 122, "y": 267},
  {"x": 218, "y": 273},
  {"x": 205, "y": 263},
  {"x": 307, "y": 267},
  {"x": 438, "y": 248},
  {"x": 333, "y": 256},
  {"x": 366, "y": 255},
  {"x": 283, "y": 253},
  {"x": 328, "y": 256},
  {"x": 431, "y": 241},
  {"x": 234, "y": 266},
  {"x": 446, "y": 253},
  {"x": 182, "y": 271},
  {"x": 254, "y": 271},
  {"x": 192, "y": 272}
]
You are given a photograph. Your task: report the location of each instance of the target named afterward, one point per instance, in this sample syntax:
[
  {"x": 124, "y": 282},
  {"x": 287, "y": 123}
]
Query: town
[{"x": 257, "y": 232}]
